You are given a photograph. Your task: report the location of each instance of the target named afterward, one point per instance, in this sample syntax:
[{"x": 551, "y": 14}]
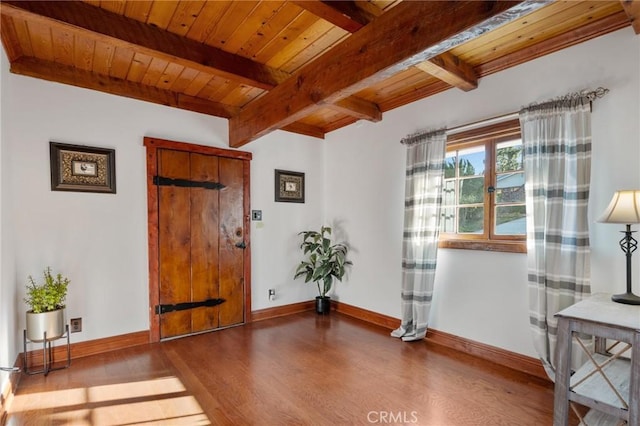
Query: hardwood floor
[{"x": 300, "y": 369}]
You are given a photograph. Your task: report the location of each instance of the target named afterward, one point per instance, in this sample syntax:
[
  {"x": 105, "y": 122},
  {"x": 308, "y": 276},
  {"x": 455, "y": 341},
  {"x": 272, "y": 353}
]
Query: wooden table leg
[
  {"x": 634, "y": 389},
  {"x": 563, "y": 376}
]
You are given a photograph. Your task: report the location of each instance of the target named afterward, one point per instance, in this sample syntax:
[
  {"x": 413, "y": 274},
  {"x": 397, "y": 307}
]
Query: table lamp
[{"x": 625, "y": 208}]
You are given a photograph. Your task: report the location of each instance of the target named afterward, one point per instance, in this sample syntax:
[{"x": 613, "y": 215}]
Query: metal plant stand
[{"x": 47, "y": 353}]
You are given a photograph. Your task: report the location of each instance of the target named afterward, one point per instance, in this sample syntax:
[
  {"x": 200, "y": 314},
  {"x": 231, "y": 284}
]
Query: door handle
[{"x": 241, "y": 245}]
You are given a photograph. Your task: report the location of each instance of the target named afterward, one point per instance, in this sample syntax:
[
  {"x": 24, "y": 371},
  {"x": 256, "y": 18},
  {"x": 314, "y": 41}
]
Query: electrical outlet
[
  {"x": 76, "y": 325},
  {"x": 272, "y": 294}
]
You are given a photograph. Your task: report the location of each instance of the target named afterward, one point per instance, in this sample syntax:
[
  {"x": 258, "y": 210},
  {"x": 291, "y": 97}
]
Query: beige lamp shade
[{"x": 623, "y": 208}]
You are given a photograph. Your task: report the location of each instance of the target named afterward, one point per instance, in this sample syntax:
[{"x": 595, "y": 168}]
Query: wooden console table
[{"x": 608, "y": 382}]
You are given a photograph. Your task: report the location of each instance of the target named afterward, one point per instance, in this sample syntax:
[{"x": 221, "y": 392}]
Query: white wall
[
  {"x": 482, "y": 295},
  {"x": 100, "y": 240},
  {"x": 8, "y": 346},
  {"x": 275, "y": 244},
  {"x": 354, "y": 181}
]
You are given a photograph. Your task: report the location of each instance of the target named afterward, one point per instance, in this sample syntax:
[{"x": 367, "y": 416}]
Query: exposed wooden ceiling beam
[
  {"x": 407, "y": 35},
  {"x": 305, "y": 129},
  {"x": 589, "y": 31},
  {"x": 120, "y": 31},
  {"x": 59, "y": 73},
  {"x": 358, "y": 108},
  {"x": 344, "y": 14},
  {"x": 77, "y": 18},
  {"x": 9, "y": 38},
  {"x": 632, "y": 8},
  {"x": 348, "y": 16},
  {"x": 452, "y": 70}
]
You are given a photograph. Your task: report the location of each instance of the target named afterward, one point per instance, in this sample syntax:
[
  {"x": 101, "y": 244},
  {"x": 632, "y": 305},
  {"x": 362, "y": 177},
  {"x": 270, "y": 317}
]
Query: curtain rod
[
  {"x": 591, "y": 95},
  {"x": 483, "y": 122},
  {"x": 414, "y": 137}
]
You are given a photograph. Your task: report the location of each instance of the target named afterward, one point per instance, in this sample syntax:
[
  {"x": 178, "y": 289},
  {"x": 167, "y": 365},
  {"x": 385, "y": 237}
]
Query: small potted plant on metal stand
[
  {"x": 324, "y": 262},
  {"x": 46, "y": 316}
]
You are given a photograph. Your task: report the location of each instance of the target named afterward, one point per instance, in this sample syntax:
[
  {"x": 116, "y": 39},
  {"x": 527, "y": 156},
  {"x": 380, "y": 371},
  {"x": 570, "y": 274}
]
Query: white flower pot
[{"x": 53, "y": 323}]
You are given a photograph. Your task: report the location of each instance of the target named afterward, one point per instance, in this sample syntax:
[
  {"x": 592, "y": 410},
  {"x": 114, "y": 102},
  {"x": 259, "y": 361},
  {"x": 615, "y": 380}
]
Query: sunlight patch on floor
[
  {"x": 161, "y": 401},
  {"x": 87, "y": 418},
  {"x": 50, "y": 399},
  {"x": 172, "y": 411},
  {"x": 141, "y": 389}
]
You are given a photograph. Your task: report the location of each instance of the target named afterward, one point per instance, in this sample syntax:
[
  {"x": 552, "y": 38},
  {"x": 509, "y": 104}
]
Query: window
[{"x": 483, "y": 202}]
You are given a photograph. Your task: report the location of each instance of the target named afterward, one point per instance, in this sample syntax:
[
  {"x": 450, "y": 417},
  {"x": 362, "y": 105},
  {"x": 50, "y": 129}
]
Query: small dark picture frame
[
  {"x": 289, "y": 186},
  {"x": 82, "y": 168}
]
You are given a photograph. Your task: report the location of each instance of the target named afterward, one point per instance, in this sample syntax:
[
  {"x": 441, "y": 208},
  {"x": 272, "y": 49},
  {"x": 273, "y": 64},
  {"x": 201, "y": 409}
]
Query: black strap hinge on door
[
  {"x": 163, "y": 309},
  {"x": 186, "y": 183}
]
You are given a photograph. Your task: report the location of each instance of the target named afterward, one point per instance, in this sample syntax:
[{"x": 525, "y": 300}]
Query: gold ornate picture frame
[
  {"x": 289, "y": 186},
  {"x": 82, "y": 168}
]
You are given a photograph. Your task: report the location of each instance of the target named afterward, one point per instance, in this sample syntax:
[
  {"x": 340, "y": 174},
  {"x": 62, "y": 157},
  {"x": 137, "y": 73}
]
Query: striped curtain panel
[
  {"x": 557, "y": 162},
  {"x": 423, "y": 197}
]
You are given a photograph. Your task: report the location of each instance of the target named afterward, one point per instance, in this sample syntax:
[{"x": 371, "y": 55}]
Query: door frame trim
[{"x": 152, "y": 145}]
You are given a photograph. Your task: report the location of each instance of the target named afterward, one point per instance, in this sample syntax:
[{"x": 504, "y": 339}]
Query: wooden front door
[{"x": 198, "y": 238}]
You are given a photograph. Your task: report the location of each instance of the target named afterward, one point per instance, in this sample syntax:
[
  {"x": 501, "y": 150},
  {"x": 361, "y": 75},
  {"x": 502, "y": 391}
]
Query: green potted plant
[
  {"x": 46, "y": 302},
  {"x": 324, "y": 261}
]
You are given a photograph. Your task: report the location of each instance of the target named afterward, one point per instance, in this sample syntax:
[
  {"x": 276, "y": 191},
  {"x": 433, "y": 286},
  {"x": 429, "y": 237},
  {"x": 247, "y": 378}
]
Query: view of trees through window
[
  {"x": 463, "y": 200},
  {"x": 483, "y": 195},
  {"x": 509, "y": 191}
]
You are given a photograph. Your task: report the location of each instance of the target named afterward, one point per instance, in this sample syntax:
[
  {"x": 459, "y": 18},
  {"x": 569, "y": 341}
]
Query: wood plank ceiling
[{"x": 308, "y": 67}]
